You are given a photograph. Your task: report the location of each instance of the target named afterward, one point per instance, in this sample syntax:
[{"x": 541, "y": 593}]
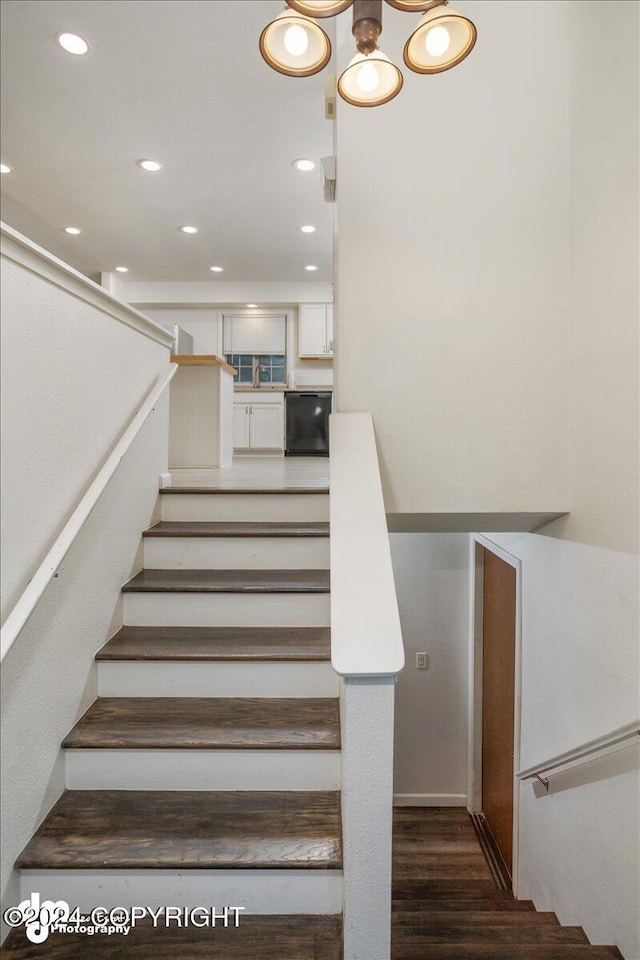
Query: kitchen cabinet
[
  {"x": 315, "y": 330},
  {"x": 258, "y": 421}
]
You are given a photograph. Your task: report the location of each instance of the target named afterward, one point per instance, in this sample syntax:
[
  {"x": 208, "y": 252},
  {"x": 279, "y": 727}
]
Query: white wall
[
  {"x": 452, "y": 267},
  {"x": 580, "y": 844},
  {"x": 72, "y": 376},
  {"x": 432, "y": 583}
]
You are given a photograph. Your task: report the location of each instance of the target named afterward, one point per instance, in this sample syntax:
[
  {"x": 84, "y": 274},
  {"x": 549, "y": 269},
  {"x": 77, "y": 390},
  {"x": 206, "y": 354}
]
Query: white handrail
[
  {"x": 584, "y": 750},
  {"x": 366, "y": 638},
  {"x": 38, "y": 583}
]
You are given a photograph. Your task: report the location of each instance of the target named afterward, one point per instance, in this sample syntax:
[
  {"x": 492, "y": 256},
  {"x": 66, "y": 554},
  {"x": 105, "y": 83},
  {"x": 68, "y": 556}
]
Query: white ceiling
[{"x": 182, "y": 82}]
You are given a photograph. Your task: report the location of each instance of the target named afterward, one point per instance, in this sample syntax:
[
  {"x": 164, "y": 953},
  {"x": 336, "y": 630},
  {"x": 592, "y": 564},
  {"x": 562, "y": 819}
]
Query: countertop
[{"x": 241, "y": 388}]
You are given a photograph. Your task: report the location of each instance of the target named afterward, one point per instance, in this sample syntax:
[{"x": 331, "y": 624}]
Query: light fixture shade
[
  {"x": 411, "y": 6},
  {"x": 370, "y": 80},
  {"x": 295, "y": 45},
  {"x": 441, "y": 40},
  {"x": 319, "y": 8}
]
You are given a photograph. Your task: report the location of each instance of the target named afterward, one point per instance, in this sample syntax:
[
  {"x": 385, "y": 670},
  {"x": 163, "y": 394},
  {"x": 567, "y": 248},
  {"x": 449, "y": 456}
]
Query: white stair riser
[
  {"x": 155, "y": 678},
  {"x": 252, "y": 507},
  {"x": 227, "y": 609},
  {"x": 176, "y": 769},
  {"x": 260, "y": 891},
  {"x": 236, "y": 553}
]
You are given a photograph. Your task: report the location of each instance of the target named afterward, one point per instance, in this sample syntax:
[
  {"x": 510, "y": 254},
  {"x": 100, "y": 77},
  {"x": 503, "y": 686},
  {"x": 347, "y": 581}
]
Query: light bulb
[
  {"x": 437, "y": 41},
  {"x": 296, "y": 41},
  {"x": 368, "y": 77}
]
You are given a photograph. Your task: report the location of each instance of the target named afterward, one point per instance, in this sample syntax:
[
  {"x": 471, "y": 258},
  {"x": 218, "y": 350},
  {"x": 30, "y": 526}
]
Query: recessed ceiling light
[
  {"x": 216, "y": 269},
  {"x": 152, "y": 166},
  {"x": 310, "y": 266},
  {"x": 74, "y": 44},
  {"x": 304, "y": 165},
  {"x": 307, "y": 228},
  {"x": 74, "y": 231},
  {"x": 188, "y": 229},
  {"x": 122, "y": 269},
  {"x": 5, "y": 168},
  {"x": 252, "y": 305}
]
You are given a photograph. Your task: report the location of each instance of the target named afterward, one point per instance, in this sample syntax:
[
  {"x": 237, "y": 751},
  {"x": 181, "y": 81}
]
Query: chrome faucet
[{"x": 256, "y": 376}]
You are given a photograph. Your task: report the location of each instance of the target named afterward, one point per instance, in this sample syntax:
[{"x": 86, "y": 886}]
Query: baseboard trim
[
  {"x": 165, "y": 480},
  {"x": 429, "y": 799}
]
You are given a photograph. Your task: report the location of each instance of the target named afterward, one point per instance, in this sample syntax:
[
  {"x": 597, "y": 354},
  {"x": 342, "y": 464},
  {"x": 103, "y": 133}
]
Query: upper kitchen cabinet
[{"x": 315, "y": 326}]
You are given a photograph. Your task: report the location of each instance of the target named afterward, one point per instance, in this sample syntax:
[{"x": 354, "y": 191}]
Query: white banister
[
  {"x": 368, "y": 652},
  {"x": 584, "y": 751},
  {"x": 39, "y": 582},
  {"x": 366, "y": 639}
]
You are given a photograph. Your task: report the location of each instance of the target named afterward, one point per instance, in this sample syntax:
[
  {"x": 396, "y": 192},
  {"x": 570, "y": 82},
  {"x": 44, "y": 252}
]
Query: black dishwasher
[{"x": 308, "y": 424}]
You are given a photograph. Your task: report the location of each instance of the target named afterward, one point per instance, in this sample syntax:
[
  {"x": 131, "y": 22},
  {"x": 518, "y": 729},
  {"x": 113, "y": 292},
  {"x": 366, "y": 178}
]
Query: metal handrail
[
  {"x": 628, "y": 732},
  {"x": 42, "y": 577}
]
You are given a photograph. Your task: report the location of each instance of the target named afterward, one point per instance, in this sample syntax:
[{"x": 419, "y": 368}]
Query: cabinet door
[
  {"x": 266, "y": 425},
  {"x": 330, "y": 341},
  {"x": 241, "y": 426},
  {"x": 312, "y": 327}
]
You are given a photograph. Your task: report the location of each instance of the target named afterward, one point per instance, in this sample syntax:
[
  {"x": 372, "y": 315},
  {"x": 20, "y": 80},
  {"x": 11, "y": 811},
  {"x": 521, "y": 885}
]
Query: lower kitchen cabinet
[{"x": 259, "y": 425}]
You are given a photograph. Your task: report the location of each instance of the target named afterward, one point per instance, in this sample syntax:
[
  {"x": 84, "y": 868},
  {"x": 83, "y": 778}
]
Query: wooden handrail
[
  {"x": 40, "y": 580},
  {"x": 582, "y": 752}
]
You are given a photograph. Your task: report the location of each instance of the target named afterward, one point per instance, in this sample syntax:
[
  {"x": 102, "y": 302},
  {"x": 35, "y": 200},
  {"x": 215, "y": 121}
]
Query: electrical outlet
[{"x": 422, "y": 661}]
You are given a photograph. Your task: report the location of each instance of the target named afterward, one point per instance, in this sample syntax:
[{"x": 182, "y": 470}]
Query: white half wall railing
[
  {"x": 367, "y": 652},
  {"x": 43, "y": 575},
  {"x": 614, "y": 740}
]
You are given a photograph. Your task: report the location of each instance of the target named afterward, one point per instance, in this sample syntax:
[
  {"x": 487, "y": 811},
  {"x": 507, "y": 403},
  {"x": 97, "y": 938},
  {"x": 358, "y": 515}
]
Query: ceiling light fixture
[
  {"x": 319, "y": 8},
  {"x": 74, "y": 231},
  {"x": 307, "y": 228},
  {"x": 188, "y": 229},
  {"x": 216, "y": 269},
  {"x": 442, "y": 39},
  {"x": 5, "y": 168},
  {"x": 370, "y": 79},
  {"x": 295, "y": 45},
  {"x": 310, "y": 267},
  {"x": 304, "y": 165},
  {"x": 122, "y": 269},
  {"x": 152, "y": 166},
  {"x": 72, "y": 43}
]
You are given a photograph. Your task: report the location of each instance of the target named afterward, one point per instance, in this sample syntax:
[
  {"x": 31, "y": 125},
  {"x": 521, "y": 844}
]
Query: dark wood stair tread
[
  {"x": 501, "y": 904},
  {"x": 229, "y": 581},
  {"x": 180, "y": 528},
  {"x": 302, "y": 937},
  {"x": 251, "y": 491},
  {"x": 405, "y": 950},
  {"x": 157, "y": 829},
  {"x": 460, "y": 931},
  {"x": 471, "y": 917},
  {"x": 218, "y": 643},
  {"x": 198, "y": 723}
]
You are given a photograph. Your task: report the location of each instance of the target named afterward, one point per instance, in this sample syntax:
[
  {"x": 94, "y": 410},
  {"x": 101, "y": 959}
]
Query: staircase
[
  {"x": 447, "y": 906},
  {"x": 207, "y": 773}
]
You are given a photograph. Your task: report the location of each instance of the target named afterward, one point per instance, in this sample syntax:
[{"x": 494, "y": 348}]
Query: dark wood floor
[
  {"x": 158, "y": 829},
  {"x": 256, "y": 938},
  {"x": 446, "y": 905},
  {"x": 198, "y": 528},
  {"x": 218, "y": 643},
  {"x": 197, "y": 723},
  {"x": 229, "y": 581}
]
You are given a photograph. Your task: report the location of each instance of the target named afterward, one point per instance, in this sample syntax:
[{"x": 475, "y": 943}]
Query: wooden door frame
[{"x": 474, "y": 765}]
